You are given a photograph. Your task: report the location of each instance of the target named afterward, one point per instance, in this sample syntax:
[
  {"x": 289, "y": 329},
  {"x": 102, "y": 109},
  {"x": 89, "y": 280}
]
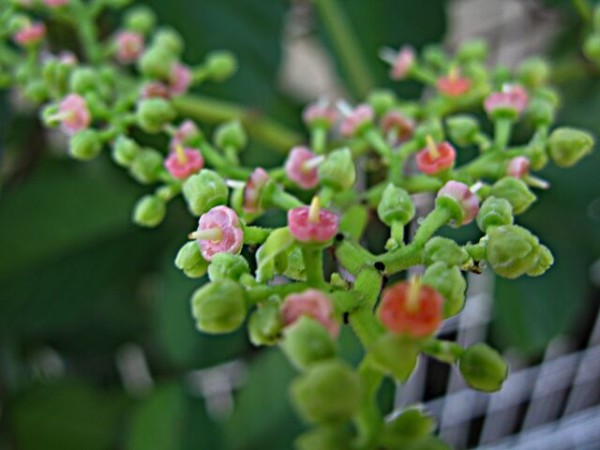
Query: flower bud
[
  {"x": 124, "y": 151},
  {"x": 494, "y": 212},
  {"x": 382, "y": 101},
  {"x": 395, "y": 355},
  {"x": 412, "y": 425},
  {"x": 463, "y": 129},
  {"x": 433, "y": 128},
  {"x": 540, "y": 112},
  {"x": 513, "y": 251},
  {"x": 169, "y": 39},
  {"x": 449, "y": 282},
  {"x": 231, "y": 135},
  {"x": 141, "y": 19},
  {"x": 36, "y": 91},
  {"x": 157, "y": 62},
  {"x": 459, "y": 200},
  {"x": 476, "y": 50},
  {"x": 534, "y": 72},
  {"x": 149, "y": 211},
  {"x": 227, "y": 266},
  {"x": 265, "y": 324},
  {"x": 299, "y": 168},
  {"x": 395, "y": 206},
  {"x": 515, "y": 191},
  {"x": 219, "y": 231},
  {"x": 154, "y": 113},
  {"x": 85, "y": 144},
  {"x": 83, "y": 80},
  {"x": 146, "y": 166},
  {"x": 338, "y": 171},
  {"x": 221, "y": 64},
  {"x": 219, "y": 307},
  {"x": 591, "y": 47},
  {"x": 328, "y": 392},
  {"x": 440, "y": 249},
  {"x": 306, "y": 342},
  {"x": 356, "y": 121},
  {"x": 483, "y": 368},
  {"x": 204, "y": 191},
  {"x": 190, "y": 260},
  {"x": 568, "y": 145},
  {"x": 324, "y": 438}
]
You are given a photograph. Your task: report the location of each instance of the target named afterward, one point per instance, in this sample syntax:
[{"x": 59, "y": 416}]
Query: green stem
[
  {"x": 374, "y": 137},
  {"x": 318, "y": 139},
  {"x": 214, "y": 158},
  {"x": 435, "y": 220},
  {"x": 584, "y": 9},
  {"x": 502, "y": 131},
  {"x": 368, "y": 418},
  {"x": 346, "y": 46},
  {"x": 313, "y": 264},
  {"x": 285, "y": 201},
  {"x": 352, "y": 256},
  {"x": 261, "y": 292},
  {"x": 261, "y": 128},
  {"x": 476, "y": 251},
  {"x": 255, "y": 235},
  {"x": 445, "y": 351},
  {"x": 86, "y": 28}
]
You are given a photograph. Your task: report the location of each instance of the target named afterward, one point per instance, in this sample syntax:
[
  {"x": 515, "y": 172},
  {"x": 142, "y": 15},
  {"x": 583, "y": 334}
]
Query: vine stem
[{"x": 313, "y": 262}]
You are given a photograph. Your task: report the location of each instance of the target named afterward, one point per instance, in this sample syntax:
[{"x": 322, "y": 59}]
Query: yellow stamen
[
  {"x": 210, "y": 234},
  {"x": 312, "y": 163},
  {"x": 313, "y": 211},
  {"x": 454, "y": 73},
  {"x": 181, "y": 156},
  {"x": 414, "y": 293},
  {"x": 432, "y": 147}
]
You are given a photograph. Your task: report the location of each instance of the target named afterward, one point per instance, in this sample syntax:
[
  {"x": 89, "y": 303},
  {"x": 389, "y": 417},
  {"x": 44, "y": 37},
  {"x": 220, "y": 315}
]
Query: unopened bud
[
  {"x": 483, "y": 368},
  {"x": 219, "y": 307},
  {"x": 149, "y": 211},
  {"x": 204, "y": 191},
  {"x": 190, "y": 261}
]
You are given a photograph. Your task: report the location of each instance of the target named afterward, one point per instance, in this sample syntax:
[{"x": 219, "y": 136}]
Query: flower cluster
[{"x": 325, "y": 278}]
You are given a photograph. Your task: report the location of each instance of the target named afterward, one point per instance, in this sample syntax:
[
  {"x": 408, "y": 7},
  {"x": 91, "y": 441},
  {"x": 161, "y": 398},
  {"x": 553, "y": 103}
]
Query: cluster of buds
[{"x": 326, "y": 278}]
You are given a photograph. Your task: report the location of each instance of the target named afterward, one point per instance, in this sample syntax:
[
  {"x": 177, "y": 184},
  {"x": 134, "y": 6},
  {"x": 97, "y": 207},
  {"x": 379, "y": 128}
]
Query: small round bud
[
  {"x": 265, "y": 324},
  {"x": 568, "y": 145},
  {"x": 124, "y": 151},
  {"x": 545, "y": 261},
  {"x": 540, "y": 112},
  {"x": 231, "y": 135},
  {"x": 534, "y": 72},
  {"x": 463, "y": 129},
  {"x": 591, "y": 47},
  {"x": 338, "y": 170},
  {"x": 324, "y": 438},
  {"x": 36, "y": 91},
  {"x": 146, "y": 166},
  {"x": 395, "y": 206},
  {"x": 433, "y": 128},
  {"x": 515, "y": 191},
  {"x": 169, "y": 39},
  {"x": 219, "y": 307},
  {"x": 85, "y": 144},
  {"x": 149, "y": 211},
  {"x": 395, "y": 355},
  {"x": 483, "y": 368},
  {"x": 154, "y": 113},
  {"x": 221, "y": 64},
  {"x": 434, "y": 54},
  {"x": 204, "y": 191},
  {"x": 476, "y": 50},
  {"x": 494, "y": 212},
  {"x": 227, "y": 266},
  {"x": 306, "y": 342},
  {"x": 190, "y": 260},
  {"x": 140, "y": 19},
  {"x": 449, "y": 282},
  {"x": 440, "y": 249},
  {"x": 328, "y": 392},
  {"x": 83, "y": 80},
  {"x": 382, "y": 101},
  {"x": 157, "y": 62}
]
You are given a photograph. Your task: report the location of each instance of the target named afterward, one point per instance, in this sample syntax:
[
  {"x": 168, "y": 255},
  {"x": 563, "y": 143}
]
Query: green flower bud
[
  {"x": 548, "y": 94},
  {"x": 410, "y": 426},
  {"x": 146, "y": 166},
  {"x": 494, "y": 212},
  {"x": 141, "y": 19},
  {"x": 48, "y": 116},
  {"x": 83, "y": 80},
  {"x": 154, "y": 113},
  {"x": 449, "y": 282},
  {"x": 36, "y": 91},
  {"x": 382, "y": 100},
  {"x": 149, "y": 211},
  {"x": 325, "y": 437},
  {"x": 124, "y": 151},
  {"x": 463, "y": 129},
  {"x": 476, "y": 50},
  {"x": 328, "y": 392},
  {"x": 538, "y": 156},
  {"x": 477, "y": 72},
  {"x": 591, "y": 47},
  {"x": 395, "y": 206},
  {"x": 540, "y": 112},
  {"x": 394, "y": 354},
  {"x": 85, "y": 144},
  {"x": 306, "y": 342},
  {"x": 231, "y": 134},
  {"x": 515, "y": 191},
  {"x": 433, "y": 128},
  {"x": 483, "y": 368},
  {"x": 157, "y": 62},
  {"x": 204, "y": 191},
  {"x": 265, "y": 324},
  {"x": 190, "y": 260},
  {"x": 338, "y": 171},
  {"x": 168, "y": 39},
  {"x": 534, "y": 72},
  {"x": 219, "y": 307},
  {"x": 434, "y": 54},
  {"x": 568, "y": 145},
  {"x": 227, "y": 266},
  {"x": 513, "y": 251},
  {"x": 221, "y": 64},
  {"x": 441, "y": 249}
]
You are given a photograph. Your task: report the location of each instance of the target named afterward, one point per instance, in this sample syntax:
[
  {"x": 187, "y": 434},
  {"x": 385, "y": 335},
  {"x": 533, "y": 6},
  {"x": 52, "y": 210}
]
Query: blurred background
[{"x": 98, "y": 349}]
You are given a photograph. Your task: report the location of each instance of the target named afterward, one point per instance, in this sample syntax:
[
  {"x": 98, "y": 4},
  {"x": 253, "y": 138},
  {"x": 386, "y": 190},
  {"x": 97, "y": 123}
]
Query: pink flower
[
  {"x": 312, "y": 303},
  {"x": 460, "y": 192},
  {"x": 396, "y": 122},
  {"x": 74, "y": 114},
  {"x": 320, "y": 114},
  {"x": 312, "y": 224},
  {"x": 518, "y": 167},
  {"x": 511, "y": 101},
  {"x": 253, "y": 189},
  {"x": 154, "y": 89},
  {"x": 402, "y": 63},
  {"x": 299, "y": 167},
  {"x": 185, "y": 135},
  {"x": 180, "y": 79},
  {"x": 55, "y": 3},
  {"x": 219, "y": 231},
  {"x": 453, "y": 85},
  {"x": 130, "y": 46},
  {"x": 184, "y": 162},
  {"x": 30, "y": 34},
  {"x": 356, "y": 120},
  {"x": 435, "y": 157}
]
